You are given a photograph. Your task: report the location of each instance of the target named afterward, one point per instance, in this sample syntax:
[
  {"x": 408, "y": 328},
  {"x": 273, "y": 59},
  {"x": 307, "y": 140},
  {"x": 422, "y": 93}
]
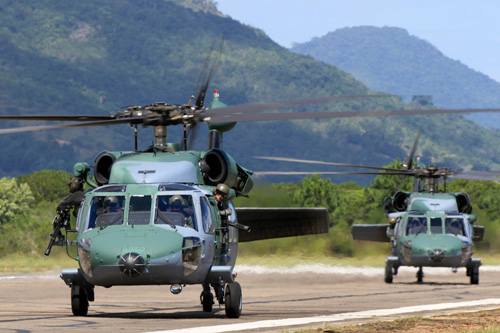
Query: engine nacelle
[
  {"x": 400, "y": 201},
  {"x": 463, "y": 203},
  {"x": 102, "y": 166},
  {"x": 223, "y": 169}
]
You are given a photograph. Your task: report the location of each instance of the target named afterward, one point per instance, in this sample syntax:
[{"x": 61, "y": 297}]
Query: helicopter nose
[
  {"x": 437, "y": 255},
  {"x": 131, "y": 264}
]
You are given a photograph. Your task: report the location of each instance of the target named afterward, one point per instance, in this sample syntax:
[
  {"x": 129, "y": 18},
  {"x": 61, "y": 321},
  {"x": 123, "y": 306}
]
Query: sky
[{"x": 464, "y": 30}]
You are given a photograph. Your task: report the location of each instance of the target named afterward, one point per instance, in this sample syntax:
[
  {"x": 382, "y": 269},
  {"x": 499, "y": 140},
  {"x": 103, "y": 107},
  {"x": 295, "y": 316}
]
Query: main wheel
[
  {"x": 79, "y": 301},
  {"x": 233, "y": 300},
  {"x": 207, "y": 299},
  {"x": 388, "y": 273},
  {"x": 420, "y": 275},
  {"x": 474, "y": 276}
]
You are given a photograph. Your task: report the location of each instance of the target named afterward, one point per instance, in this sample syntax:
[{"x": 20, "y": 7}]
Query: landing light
[{"x": 176, "y": 289}]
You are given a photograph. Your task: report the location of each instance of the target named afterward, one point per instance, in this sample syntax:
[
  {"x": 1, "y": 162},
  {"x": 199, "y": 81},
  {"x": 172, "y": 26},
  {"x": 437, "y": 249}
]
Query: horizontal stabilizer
[
  {"x": 370, "y": 232},
  {"x": 478, "y": 233},
  {"x": 266, "y": 223}
]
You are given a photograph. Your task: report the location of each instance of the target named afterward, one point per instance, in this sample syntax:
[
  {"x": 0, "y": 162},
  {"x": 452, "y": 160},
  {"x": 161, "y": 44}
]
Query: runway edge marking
[{"x": 334, "y": 317}]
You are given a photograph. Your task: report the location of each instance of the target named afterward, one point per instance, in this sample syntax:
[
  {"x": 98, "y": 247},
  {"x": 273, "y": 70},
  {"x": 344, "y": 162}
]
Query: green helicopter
[{"x": 427, "y": 227}]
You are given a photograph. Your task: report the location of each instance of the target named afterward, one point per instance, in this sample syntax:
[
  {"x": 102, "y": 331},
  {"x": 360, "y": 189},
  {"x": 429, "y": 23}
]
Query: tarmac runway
[{"x": 271, "y": 298}]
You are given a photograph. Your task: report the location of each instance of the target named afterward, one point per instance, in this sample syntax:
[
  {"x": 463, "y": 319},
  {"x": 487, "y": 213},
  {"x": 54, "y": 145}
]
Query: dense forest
[
  {"x": 390, "y": 59},
  {"x": 94, "y": 57}
]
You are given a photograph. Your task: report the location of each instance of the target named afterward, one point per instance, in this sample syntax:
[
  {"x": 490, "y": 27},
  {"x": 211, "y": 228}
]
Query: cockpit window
[
  {"x": 206, "y": 216},
  {"x": 176, "y": 210},
  {"x": 436, "y": 225},
  {"x": 139, "y": 209},
  {"x": 455, "y": 226},
  {"x": 416, "y": 225},
  {"x": 105, "y": 211}
]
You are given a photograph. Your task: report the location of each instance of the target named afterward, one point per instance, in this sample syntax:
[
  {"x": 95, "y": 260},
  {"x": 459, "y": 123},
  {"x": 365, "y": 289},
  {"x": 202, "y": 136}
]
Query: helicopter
[{"x": 427, "y": 227}]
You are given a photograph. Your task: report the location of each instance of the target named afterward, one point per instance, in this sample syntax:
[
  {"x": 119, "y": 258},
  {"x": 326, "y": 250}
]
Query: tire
[
  {"x": 79, "y": 301},
  {"x": 208, "y": 301},
  {"x": 474, "y": 277},
  {"x": 388, "y": 273},
  {"x": 420, "y": 276},
  {"x": 233, "y": 300}
]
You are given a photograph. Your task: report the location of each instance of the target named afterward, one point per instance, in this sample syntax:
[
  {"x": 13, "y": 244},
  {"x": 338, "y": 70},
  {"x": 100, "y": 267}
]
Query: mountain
[
  {"x": 391, "y": 60},
  {"x": 94, "y": 57}
]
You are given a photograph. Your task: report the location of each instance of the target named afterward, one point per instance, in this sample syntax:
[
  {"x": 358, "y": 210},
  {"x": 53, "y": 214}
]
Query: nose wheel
[
  {"x": 80, "y": 298},
  {"x": 233, "y": 300}
]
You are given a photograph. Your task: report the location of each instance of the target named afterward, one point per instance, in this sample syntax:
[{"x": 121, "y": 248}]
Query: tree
[
  {"x": 15, "y": 200},
  {"x": 47, "y": 185}
]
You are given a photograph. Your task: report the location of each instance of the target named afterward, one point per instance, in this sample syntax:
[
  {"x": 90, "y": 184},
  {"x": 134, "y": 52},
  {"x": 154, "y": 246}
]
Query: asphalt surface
[{"x": 41, "y": 303}]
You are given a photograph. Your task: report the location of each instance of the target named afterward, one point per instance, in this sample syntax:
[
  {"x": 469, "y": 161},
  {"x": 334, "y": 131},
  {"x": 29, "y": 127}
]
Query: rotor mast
[{"x": 160, "y": 133}]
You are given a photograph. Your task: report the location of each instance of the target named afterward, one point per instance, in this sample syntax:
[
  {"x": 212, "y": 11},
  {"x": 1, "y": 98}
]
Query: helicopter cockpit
[
  {"x": 105, "y": 210},
  {"x": 438, "y": 223},
  {"x": 167, "y": 206},
  {"x": 416, "y": 225},
  {"x": 175, "y": 209}
]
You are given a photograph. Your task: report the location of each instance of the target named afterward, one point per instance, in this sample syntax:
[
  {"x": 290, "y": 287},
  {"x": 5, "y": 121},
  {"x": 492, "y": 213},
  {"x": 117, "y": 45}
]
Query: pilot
[
  {"x": 221, "y": 193},
  {"x": 111, "y": 204},
  {"x": 455, "y": 227},
  {"x": 417, "y": 226},
  {"x": 177, "y": 204}
]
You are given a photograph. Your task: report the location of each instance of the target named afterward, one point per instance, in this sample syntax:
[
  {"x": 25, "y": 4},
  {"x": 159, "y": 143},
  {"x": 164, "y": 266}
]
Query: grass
[{"x": 39, "y": 263}]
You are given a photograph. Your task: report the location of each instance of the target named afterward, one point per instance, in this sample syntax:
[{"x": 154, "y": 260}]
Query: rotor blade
[
  {"x": 192, "y": 134},
  {"x": 237, "y": 117},
  {"x": 285, "y": 159},
  {"x": 238, "y": 110},
  {"x": 200, "y": 99},
  {"x": 409, "y": 164},
  {"x": 413, "y": 149},
  {"x": 58, "y": 118},
  {"x": 299, "y": 173},
  {"x": 136, "y": 120},
  {"x": 480, "y": 175}
]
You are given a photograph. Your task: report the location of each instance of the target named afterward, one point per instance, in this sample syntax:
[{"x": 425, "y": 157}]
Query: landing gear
[
  {"x": 420, "y": 275},
  {"x": 233, "y": 300},
  {"x": 80, "y": 297},
  {"x": 207, "y": 299},
  {"x": 388, "y": 273},
  {"x": 391, "y": 268},
  {"x": 473, "y": 272},
  {"x": 474, "y": 277}
]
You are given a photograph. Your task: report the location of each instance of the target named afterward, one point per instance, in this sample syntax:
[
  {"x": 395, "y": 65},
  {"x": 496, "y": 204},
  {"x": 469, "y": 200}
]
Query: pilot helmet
[
  {"x": 111, "y": 201},
  {"x": 75, "y": 184},
  {"x": 222, "y": 189},
  {"x": 176, "y": 201}
]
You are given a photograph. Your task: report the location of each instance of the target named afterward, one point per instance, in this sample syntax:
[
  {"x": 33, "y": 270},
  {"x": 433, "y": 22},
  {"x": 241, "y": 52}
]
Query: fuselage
[
  {"x": 133, "y": 235},
  {"x": 433, "y": 238}
]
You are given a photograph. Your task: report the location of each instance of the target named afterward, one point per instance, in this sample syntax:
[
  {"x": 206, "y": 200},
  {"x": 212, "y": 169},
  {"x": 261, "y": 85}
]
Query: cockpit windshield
[
  {"x": 106, "y": 210},
  {"x": 175, "y": 210},
  {"x": 416, "y": 225},
  {"x": 436, "y": 225},
  {"x": 455, "y": 225},
  {"x": 139, "y": 210}
]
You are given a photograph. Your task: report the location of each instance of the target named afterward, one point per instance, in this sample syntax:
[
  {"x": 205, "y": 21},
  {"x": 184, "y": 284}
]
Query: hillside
[
  {"x": 390, "y": 59},
  {"x": 94, "y": 57}
]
